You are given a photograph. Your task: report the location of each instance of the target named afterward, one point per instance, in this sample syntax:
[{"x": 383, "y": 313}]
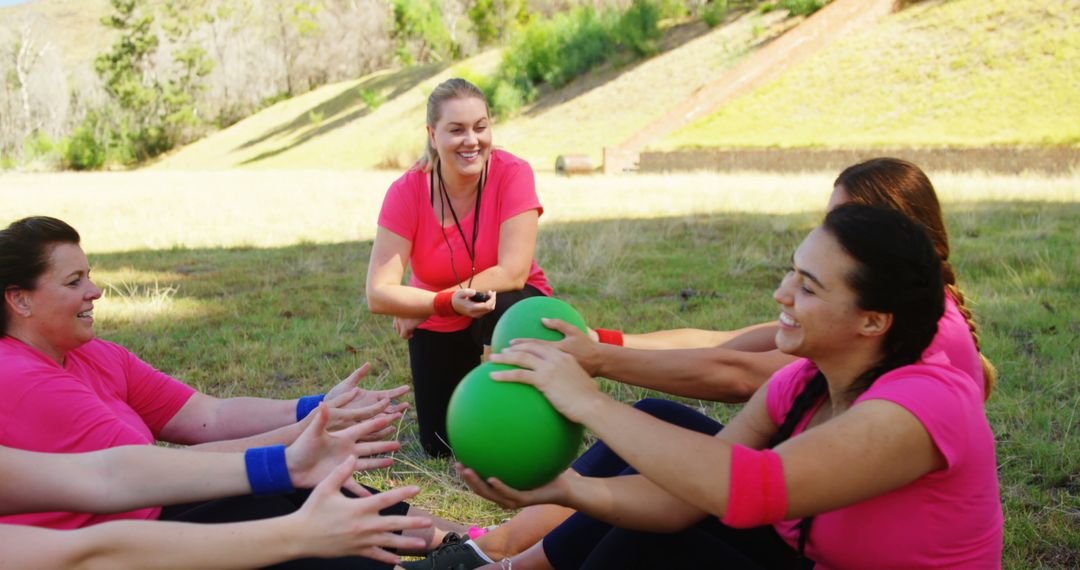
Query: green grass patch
[
  {"x": 958, "y": 73},
  {"x": 268, "y": 299}
]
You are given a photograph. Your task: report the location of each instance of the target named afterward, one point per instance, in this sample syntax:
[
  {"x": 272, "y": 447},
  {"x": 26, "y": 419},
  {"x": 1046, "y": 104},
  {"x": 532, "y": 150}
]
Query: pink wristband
[
  {"x": 609, "y": 336},
  {"x": 444, "y": 304},
  {"x": 476, "y": 532},
  {"x": 757, "y": 495}
]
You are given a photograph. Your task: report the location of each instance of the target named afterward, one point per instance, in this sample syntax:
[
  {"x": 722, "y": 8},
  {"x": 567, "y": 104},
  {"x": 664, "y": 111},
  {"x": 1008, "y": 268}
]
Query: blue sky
[{"x": 12, "y": 2}]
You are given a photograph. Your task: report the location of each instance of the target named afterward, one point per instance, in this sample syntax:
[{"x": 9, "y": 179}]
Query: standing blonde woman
[{"x": 465, "y": 220}]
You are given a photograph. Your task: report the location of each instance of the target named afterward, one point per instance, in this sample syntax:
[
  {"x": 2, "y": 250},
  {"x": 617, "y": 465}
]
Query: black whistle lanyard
[{"x": 444, "y": 202}]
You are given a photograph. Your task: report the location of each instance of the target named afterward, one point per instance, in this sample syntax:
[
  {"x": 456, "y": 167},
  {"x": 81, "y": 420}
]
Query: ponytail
[{"x": 989, "y": 372}]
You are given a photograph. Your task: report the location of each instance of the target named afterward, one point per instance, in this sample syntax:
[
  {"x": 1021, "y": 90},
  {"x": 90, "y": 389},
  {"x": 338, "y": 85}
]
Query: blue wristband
[
  {"x": 266, "y": 470},
  {"x": 306, "y": 404}
]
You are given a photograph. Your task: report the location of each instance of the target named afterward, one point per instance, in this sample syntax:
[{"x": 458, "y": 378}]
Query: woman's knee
[{"x": 679, "y": 414}]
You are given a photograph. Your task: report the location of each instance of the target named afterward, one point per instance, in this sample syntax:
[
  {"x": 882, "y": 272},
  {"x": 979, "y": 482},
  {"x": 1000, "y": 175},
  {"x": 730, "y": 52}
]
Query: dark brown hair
[
  {"x": 25, "y": 247},
  {"x": 900, "y": 185}
]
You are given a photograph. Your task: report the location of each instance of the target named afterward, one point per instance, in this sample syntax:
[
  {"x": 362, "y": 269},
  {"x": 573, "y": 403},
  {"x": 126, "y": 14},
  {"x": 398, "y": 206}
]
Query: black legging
[
  {"x": 249, "y": 508},
  {"x": 584, "y": 542},
  {"x": 440, "y": 360}
]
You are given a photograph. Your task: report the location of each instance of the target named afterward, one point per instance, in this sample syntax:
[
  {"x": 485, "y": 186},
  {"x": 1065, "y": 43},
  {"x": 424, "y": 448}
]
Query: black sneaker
[{"x": 454, "y": 554}]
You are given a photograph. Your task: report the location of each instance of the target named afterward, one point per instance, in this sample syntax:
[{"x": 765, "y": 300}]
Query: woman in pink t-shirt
[
  {"x": 867, "y": 452},
  {"x": 465, "y": 221},
  {"x": 712, "y": 365},
  {"x": 728, "y": 366},
  {"x": 64, "y": 391}
]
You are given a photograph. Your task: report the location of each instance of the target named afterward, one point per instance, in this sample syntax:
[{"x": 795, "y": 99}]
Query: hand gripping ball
[
  {"x": 522, "y": 320},
  {"x": 509, "y": 430}
]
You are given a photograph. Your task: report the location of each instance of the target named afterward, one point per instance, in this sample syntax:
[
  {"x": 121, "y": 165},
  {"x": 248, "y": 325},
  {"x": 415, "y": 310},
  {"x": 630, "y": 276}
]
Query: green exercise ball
[
  {"x": 509, "y": 430},
  {"x": 522, "y": 320}
]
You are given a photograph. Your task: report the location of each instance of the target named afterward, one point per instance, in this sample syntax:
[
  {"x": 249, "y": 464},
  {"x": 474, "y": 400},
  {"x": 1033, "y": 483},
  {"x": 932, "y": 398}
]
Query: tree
[
  {"x": 191, "y": 63},
  {"x": 494, "y": 20},
  {"x": 296, "y": 21},
  {"x": 419, "y": 32}
]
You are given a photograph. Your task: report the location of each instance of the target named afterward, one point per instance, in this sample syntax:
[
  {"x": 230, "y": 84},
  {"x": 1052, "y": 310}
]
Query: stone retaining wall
[{"x": 1004, "y": 160}]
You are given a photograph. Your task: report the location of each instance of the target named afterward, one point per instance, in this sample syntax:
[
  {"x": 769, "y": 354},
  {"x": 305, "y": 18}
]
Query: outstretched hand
[
  {"x": 580, "y": 345},
  {"x": 555, "y": 373},
  {"x": 317, "y": 451},
  {"x": 350, "y": 404},
  {"x": 507, "y": 497},
  {"x": 331, "y": 524}
]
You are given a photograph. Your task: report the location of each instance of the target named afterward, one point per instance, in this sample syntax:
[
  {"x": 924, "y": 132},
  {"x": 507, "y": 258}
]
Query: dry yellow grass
[{"x": 161, "y": 210}]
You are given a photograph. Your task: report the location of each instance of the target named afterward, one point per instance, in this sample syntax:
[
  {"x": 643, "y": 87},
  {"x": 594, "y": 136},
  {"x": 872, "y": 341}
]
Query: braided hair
[
  {"x": 902, "y": 186},
  {"x": 897, "y": 271},
  {"x": 25, "y": 247}
]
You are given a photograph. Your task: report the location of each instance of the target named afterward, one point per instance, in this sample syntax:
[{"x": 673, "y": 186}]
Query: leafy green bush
[
  {"x": 672, "y": 8},
  {"x": 557, "y": 50},
  {"x": 82, "y": 150},
  {"x": 372, "y": 98},
  {"x": 638, "y": 28},
  {"x": 506, "y": 99},
  {"x": 714, "y": 12},
  {"x": 801, "y": 7},
  {"x": 38, "y": 146}
]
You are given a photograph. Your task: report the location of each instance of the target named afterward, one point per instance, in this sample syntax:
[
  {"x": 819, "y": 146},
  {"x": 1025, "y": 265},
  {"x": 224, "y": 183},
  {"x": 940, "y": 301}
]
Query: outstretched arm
[
  {"x": 715, "y": 373},
  {"x": 754, "y": 338},
  {"x": 129, "y": 477},
  {"x": 328, "y": 525},
  {"x": 872, "y": 448},
  {"x": 234, "y": 424}
]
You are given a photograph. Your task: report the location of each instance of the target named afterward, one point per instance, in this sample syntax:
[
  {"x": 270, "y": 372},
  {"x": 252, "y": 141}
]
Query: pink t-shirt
[
  {"x": 945, "y": 519},
  {"x": 510, "y": 190},
  {"x": 102, "y": 397},
  {"x": 954, "y": 339}
]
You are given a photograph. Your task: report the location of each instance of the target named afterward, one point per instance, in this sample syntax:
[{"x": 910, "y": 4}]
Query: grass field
[
  {"x": 252, "y": 283},
  {"x": 940, "y": 73}
]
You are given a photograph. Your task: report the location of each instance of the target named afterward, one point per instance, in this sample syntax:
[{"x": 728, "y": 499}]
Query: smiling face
[
  {"x": 57, "y": 315},
  {"x": 462, "y": 137},
  {"x": 819, "y": 316}
]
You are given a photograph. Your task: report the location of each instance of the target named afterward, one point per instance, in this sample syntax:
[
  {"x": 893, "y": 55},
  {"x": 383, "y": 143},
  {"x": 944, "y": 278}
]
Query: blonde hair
[{"x": 456, "y": 88}]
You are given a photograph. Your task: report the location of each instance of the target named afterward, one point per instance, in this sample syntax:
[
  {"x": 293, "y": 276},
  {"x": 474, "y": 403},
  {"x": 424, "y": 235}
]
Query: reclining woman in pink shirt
[
  {"x": 123, "y": 478},
  {"x": 870, "y": 451},
  {"x": 64, "y": 391}
]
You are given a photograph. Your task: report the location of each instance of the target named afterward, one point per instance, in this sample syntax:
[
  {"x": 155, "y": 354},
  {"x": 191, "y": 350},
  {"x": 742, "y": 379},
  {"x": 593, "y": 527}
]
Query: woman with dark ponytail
[
  {"x": 869, "y": 451},
  {"x": 728, "y": 366},
  {"x": 731, "y": 371}
]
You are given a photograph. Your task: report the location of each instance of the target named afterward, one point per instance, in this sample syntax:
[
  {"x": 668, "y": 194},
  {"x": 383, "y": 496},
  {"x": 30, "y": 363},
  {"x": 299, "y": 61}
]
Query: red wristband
[
  {"x": 609, "y": 336},
  {"x": 444, "y": 304},
  {"x": 757, "y": 495}
]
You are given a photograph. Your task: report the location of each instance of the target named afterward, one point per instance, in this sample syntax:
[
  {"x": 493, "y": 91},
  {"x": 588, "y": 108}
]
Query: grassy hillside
[
  {"x": 941, "y": 73},
  {"x": 336, "y": 127}
]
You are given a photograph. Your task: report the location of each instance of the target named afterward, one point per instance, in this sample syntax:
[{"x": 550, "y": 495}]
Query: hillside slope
[
  {"x": 333, "y": 127},
  {"x": 941, "y": 73}
]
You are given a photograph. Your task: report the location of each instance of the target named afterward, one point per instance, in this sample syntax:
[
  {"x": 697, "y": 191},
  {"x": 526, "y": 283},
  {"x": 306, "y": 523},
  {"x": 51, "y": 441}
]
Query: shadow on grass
[
  {"x": 281, "y": 322},
  {"x": 346, "y": 107}
]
